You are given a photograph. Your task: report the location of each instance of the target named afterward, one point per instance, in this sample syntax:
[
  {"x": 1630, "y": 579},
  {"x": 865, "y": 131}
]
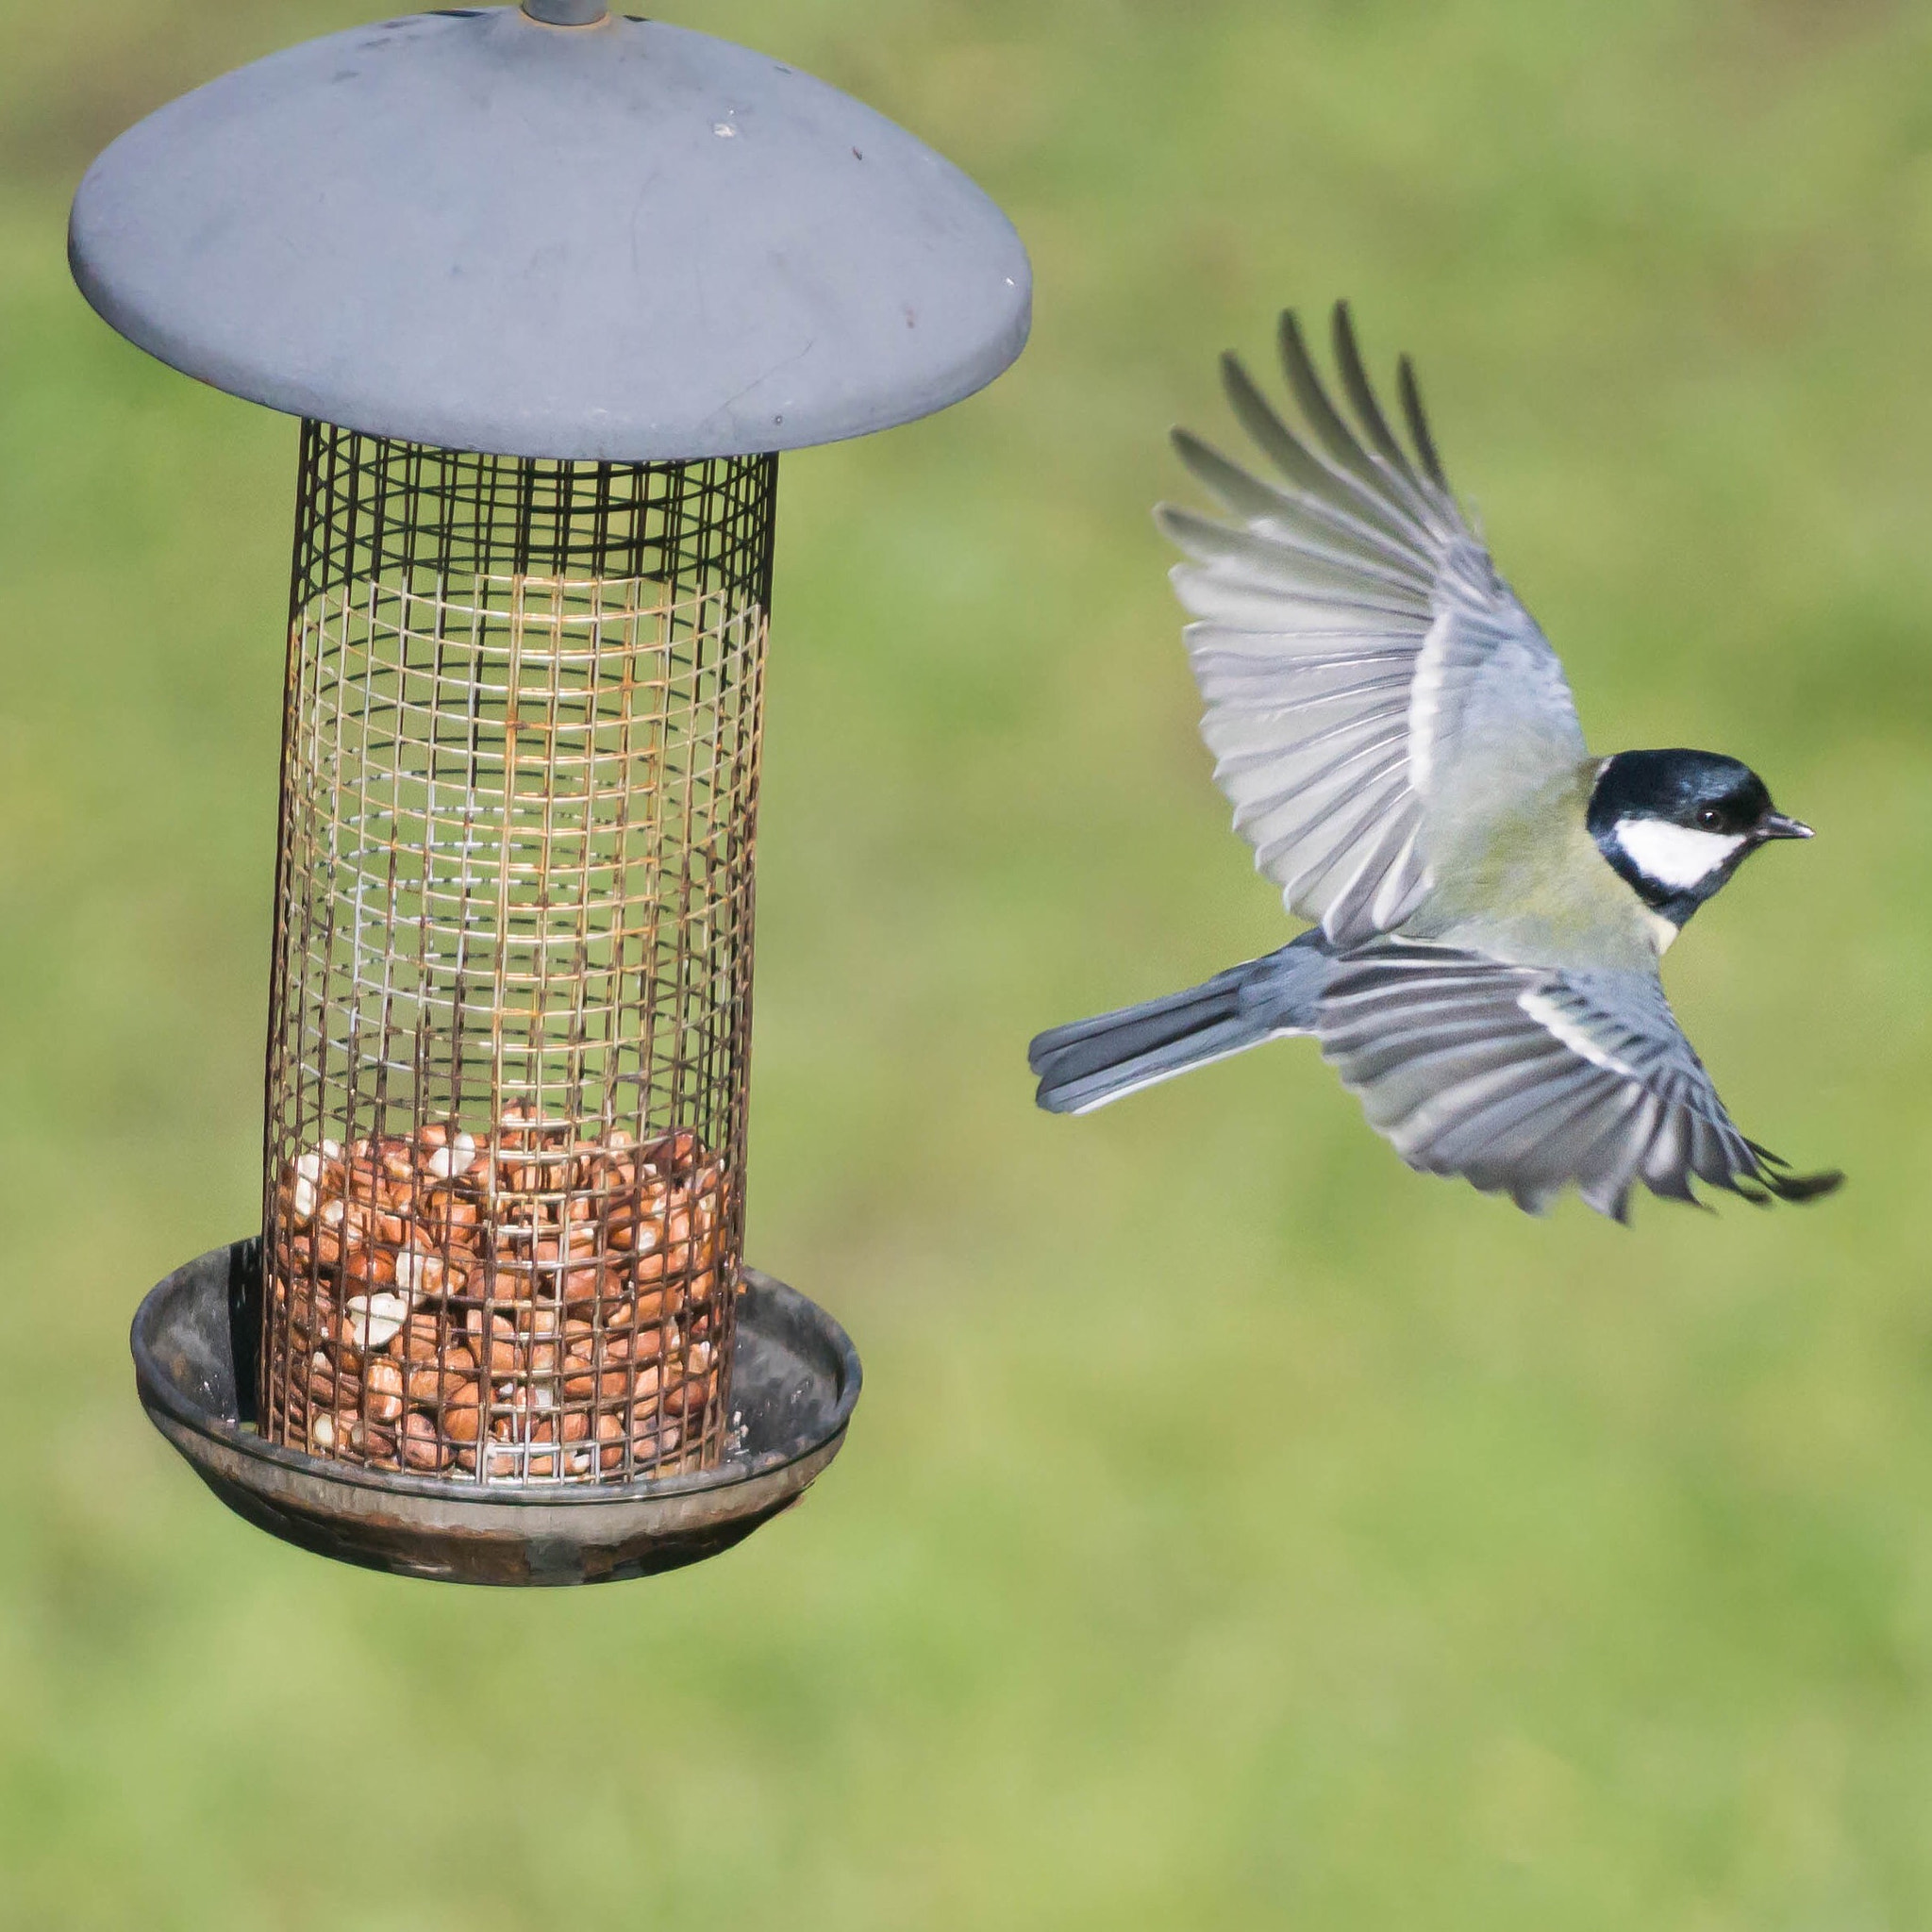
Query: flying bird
[{"x": 1490, "y": 901}]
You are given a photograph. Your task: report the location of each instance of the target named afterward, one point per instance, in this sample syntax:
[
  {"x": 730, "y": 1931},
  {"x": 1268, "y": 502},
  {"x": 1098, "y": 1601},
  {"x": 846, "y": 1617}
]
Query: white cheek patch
[{"x": 1677, "y": 856}]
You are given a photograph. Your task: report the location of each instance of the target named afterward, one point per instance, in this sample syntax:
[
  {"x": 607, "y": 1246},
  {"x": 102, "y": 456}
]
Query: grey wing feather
[
  {"x": 1526, "y": 1080},
  {"x": 1366, "y": 673}
]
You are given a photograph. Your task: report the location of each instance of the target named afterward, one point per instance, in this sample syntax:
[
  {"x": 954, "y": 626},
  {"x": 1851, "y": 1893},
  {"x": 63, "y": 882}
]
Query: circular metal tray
[{"x": 795, "y": 1380}]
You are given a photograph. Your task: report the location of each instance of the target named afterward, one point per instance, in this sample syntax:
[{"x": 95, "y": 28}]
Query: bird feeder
[{"x": 549, "y": 290}]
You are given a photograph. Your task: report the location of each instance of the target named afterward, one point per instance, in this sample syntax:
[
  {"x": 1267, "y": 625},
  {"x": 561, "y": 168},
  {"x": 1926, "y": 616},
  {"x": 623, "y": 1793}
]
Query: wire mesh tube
[{"x": 511, "y": 1003}]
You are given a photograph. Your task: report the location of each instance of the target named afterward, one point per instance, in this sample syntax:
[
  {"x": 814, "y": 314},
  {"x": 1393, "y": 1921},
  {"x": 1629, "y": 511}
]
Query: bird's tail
[{"x": 1092, "y": 1061}]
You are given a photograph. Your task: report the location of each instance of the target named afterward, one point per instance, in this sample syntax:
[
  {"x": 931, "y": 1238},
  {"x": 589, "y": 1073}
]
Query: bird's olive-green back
[{"x": 1524, "y": 882}]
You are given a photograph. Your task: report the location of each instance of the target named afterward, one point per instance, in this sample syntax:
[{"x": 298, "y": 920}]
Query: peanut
[
  {"x": 313, "y": 1316},
  {"x": 650, "y": 1445},
  {"x": 644, "y": 1311},
  {"x": 429, "y": 1385},
  {"x": 448, "y": 1214},
  {"x": 333, "y": 1387},
  {"x": 301, "y": 1194},
  {"x": 504, "y": 1357},
  {"x": 587, "y": 1284},
  {"x": 422, "y": 1337},
  {"x": 369, "y": 1267},
  {"x": 508, "y": 1281},
  {"x": 676, "y": 1150},
  {"x": 691, "y": 1394},
  {"x": 448, "y": 1158},
  {"x": 533, "y": 1398},
  {"x": 417, "y": 1272},
  {"x": 462, "y": 1412},
  {"x": 421, "y": 1449},
  {"x": 383, "y": 1380},
  {"x": 613, "y": 1385},
  {"x": 374, "y": 1320},
  {"x": 641, "y": 1344}
]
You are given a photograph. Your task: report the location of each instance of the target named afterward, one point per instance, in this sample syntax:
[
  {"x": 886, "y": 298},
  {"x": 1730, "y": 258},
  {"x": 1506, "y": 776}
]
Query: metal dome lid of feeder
[{"x": 493, "y": 229}]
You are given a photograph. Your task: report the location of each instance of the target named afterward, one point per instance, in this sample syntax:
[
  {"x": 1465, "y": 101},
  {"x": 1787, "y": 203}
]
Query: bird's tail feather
[{"x": 1091, "y": 1063}]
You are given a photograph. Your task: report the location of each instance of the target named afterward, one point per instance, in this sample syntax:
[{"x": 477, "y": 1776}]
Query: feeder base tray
[{"x": 796, "y": 1381}]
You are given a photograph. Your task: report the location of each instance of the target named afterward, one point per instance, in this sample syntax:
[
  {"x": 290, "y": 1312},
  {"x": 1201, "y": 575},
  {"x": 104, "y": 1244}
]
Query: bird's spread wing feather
[
  {"x": 1365, "y": 670},
  {"x": 1526, "y": 1079}
]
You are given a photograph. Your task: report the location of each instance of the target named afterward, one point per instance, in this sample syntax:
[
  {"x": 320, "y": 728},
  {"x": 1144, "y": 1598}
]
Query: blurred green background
[{"x": 1237, "y": 1531}]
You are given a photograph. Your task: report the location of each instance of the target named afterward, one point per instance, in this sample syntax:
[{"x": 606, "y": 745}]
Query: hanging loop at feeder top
[
  {"x": 567, "y": 12},
  {"x": 476, "y": 230}
]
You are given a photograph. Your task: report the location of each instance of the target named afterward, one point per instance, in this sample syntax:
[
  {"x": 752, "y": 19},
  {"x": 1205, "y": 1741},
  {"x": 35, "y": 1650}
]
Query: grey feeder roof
[{"x": 623, "y": 241}]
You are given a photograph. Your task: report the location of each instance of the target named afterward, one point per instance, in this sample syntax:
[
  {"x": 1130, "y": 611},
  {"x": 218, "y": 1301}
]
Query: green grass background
[{"x": 1237, "y": 1531}]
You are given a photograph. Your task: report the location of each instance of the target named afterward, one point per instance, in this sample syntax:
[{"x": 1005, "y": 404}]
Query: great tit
[{"x": 1401, "y": 749}]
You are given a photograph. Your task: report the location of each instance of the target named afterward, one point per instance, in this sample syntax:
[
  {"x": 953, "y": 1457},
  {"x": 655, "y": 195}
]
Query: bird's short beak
[{"x": 1776, "y": 825}]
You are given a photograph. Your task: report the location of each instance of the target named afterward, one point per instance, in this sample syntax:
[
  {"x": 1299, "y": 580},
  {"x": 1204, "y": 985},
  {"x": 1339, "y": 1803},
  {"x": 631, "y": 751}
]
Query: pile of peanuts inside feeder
[{"x": 530, "y": 1305}]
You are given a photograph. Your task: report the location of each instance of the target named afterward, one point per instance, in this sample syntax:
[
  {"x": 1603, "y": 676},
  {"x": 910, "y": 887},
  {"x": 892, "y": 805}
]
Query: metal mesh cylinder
[{"x": 511, "y": 1002}]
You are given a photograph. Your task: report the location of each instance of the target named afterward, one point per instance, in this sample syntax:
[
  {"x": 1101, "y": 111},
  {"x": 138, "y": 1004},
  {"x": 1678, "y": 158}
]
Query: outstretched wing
[
  {"x": 1363, "y": 666},
  {"x": 1525, "y": 1080}
]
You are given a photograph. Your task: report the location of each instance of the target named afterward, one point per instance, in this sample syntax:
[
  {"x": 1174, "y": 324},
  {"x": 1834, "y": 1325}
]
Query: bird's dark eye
[{"x": 1711, "y": 819}]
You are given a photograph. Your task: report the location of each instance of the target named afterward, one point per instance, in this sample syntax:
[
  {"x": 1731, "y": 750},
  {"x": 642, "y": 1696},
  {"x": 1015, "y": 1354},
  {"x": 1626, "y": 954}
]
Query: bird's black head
[{"x": 1677, "y": 825}]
